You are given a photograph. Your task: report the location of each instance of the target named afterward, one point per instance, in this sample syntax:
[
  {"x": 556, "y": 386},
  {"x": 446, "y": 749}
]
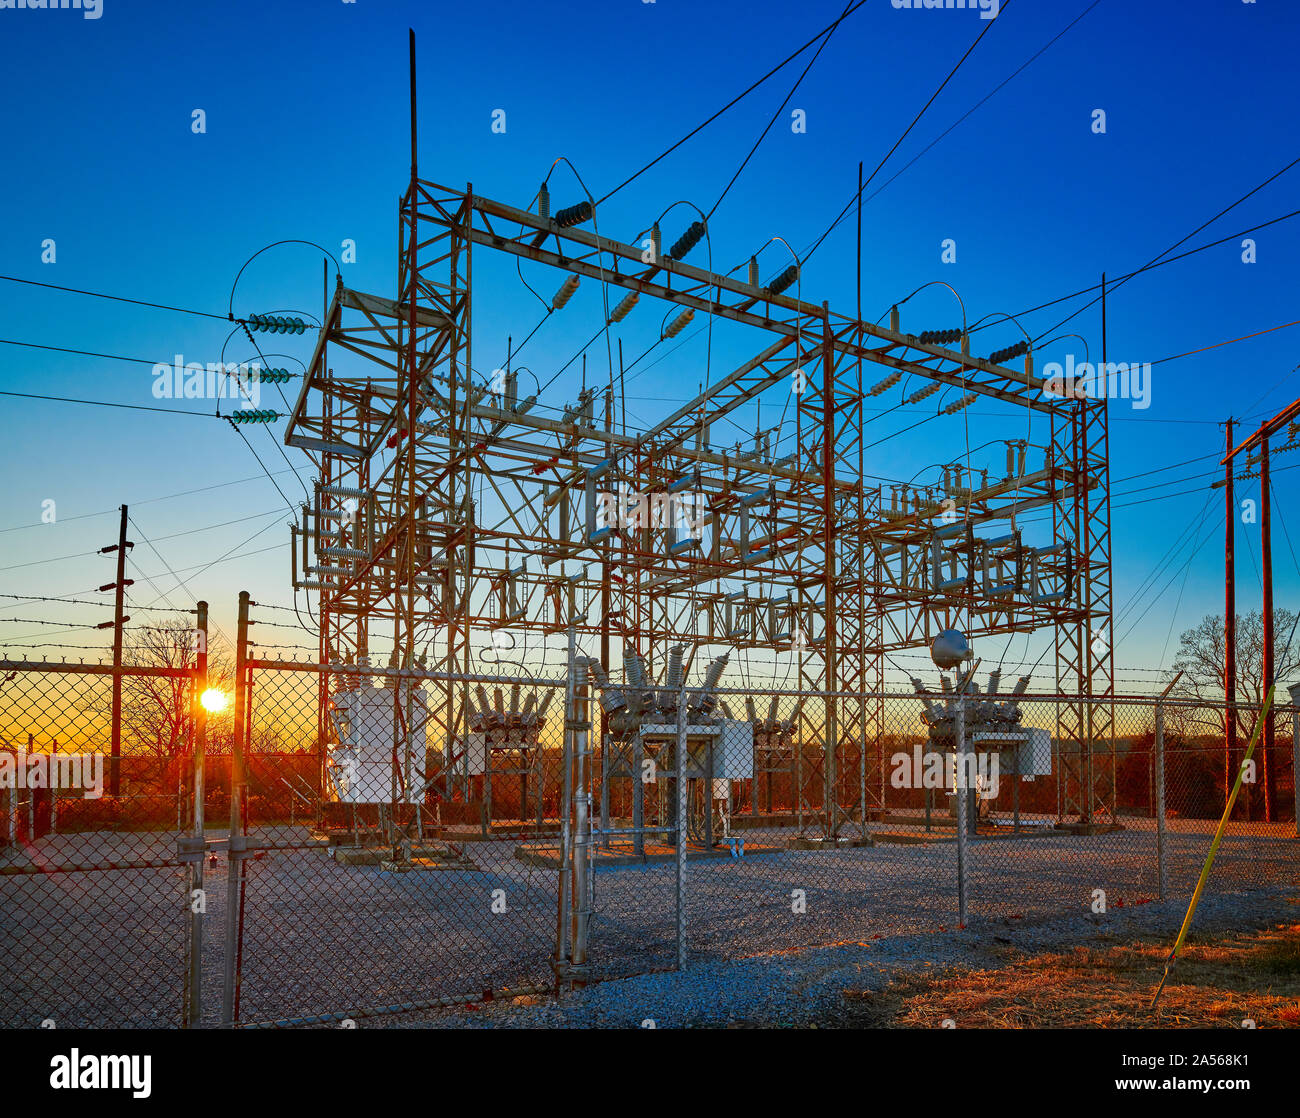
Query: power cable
[
  {"x": 1110, "y": 285},
  {"x": 906, "y": 132},
  {"x": 700, "y": 127},
  {"x": 1110, "y": 289},
  {"x": 136, "y": 504},
  {"x": 110, "y": 404},
  {"x": 117, "y": 298},
  {"x": 779, "y": 110}
]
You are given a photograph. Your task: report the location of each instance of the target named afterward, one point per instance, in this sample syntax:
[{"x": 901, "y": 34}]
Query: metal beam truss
[{"x": 657, "y": 537}]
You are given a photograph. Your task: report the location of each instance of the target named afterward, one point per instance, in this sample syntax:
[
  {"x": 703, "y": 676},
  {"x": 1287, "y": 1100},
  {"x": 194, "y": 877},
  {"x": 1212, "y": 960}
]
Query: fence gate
[
  {"x": 384, "y": 856},
  {"x": 96, "y": 922}
]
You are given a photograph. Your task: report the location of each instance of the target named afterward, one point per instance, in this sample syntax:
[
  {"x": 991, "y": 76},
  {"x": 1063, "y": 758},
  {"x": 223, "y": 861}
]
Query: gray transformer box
[
  {"x": 733, "y": 757},
  {"x": 362, "y": 760}
]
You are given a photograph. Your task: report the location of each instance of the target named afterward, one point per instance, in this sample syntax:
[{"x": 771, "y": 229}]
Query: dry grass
[{"x": 1255, "y": 976}]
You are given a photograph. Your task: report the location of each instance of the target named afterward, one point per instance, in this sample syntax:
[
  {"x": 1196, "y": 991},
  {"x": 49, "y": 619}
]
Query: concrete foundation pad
[
  {"x": 618, "y": 857},
  {"x": 911, "y": 838},
  {"x": 377, "y": 855},
  {"x": 424, "y": 865},
  {"x": 473, "y": 832},
  {"x": 820, "y": 843},
  {"x": 1090, "y": 828}
]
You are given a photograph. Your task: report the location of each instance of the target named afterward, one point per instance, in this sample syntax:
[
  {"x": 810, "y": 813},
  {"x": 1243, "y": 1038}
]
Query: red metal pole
[
  {"x": 1266, "y": 546},
  {"x": 830, "y": 573},
  {"x": 1229, "y": 626},
  {"x": 407, "y": 650},
  {"x": 119, "y": 620}
]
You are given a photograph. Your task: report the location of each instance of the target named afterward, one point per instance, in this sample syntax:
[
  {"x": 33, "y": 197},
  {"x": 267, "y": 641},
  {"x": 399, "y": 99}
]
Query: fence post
[
  {"x": 681, "y": 829},
  {"x": 561, "y": 962},
  {"x": 1162, "y": 859},
  {"x": 638, "y": 797},
  {"x": 31, "y": 796},
  {"x": 235, "y": 844},
  {"x": 199, "y": 684},
  {"x": 962, "y": 802},
  {"x": 1294, "y": 692},
  {"x": 581, "y": 825}
]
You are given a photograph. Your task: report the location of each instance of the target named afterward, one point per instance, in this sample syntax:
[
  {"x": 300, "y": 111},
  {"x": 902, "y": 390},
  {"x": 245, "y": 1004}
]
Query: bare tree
[
  {"x": 1201, "y": 654},
  {"x": 156, "y": 709},
  {"x": 1201, "y": 660}
]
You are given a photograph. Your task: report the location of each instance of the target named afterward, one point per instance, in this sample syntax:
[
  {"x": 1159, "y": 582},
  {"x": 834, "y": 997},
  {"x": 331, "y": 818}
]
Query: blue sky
[{"x": 307, "y": 138}]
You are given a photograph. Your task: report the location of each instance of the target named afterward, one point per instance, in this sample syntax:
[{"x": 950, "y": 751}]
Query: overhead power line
[
  {"x": 978, "y": 104},
  {"x": 907, "y": 131},
  {"x": 1112, "y": 284},
  {"x": 146, "y": 501},
  {"x": 110, "y": 404},
  {"x": 735, "y": 100},
  {"x": 779, "y": 110},
  {"x": 1181, "y": 241},
  {"x": 116, "y": 298}
]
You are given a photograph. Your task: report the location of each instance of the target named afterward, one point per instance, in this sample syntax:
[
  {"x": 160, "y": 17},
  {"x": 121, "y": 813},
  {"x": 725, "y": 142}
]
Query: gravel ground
[
  {"x": 805, "y": 988},
  {"x": 107, "y": 947}
]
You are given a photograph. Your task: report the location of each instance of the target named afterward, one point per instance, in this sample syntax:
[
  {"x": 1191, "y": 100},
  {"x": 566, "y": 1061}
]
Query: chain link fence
[
  {"x": 378, "y": 868},
  {"x": 344, "y": 841},
  {"x": 94, "y": 919}
]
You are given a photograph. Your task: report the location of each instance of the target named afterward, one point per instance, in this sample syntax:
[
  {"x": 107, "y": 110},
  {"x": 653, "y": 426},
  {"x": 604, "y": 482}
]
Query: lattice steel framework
[{"x": 795, "y": 554}]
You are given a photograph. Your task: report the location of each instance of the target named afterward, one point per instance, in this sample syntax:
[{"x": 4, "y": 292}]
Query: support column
[
  {"x": 1162, "y": 858},
  {"x": 199, "y": 684},
  {"x": 680, "y": 837},
  {"x": 1266, "y": 551},
  {"x": 1294, "y": 691},
  {"x": 563, "y": 911},
  {"x": 1229, "y": 626},
  {"x": 962, "y": 800},
  {"x": 119, "y": 603},
  {"x": 581, "y": 826},
  {"x": 235, "y": 843}
]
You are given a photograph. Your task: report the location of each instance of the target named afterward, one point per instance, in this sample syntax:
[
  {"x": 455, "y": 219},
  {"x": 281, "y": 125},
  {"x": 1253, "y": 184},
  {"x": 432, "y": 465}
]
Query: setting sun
[{"x": 213, "y": 700}]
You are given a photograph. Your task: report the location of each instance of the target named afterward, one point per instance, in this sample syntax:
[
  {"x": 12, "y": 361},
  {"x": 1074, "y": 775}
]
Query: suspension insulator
[
  {"x": 567, "y": 288},
  {"x": 938, "y": 337},
  {"x": 679, "y": 323},
  {"x": 886, "y": 384},
  {"x": 964, "y": 402},
  {"x": 625, "y": 306},
  {"x": 687, "y": 240},
  {"x": 1001, "y": 355},
  {"x": 784, "y": 280},
  {"x": 574, "y": 215}
]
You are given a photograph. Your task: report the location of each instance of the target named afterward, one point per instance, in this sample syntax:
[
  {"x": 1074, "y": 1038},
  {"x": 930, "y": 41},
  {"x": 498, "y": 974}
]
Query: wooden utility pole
[
  {"x": 1259, "y": 440},
  {"x": 119, "y": 622},
  {"x": 1229, "y": 624},
  {"x": 1266, "y": 549}
]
